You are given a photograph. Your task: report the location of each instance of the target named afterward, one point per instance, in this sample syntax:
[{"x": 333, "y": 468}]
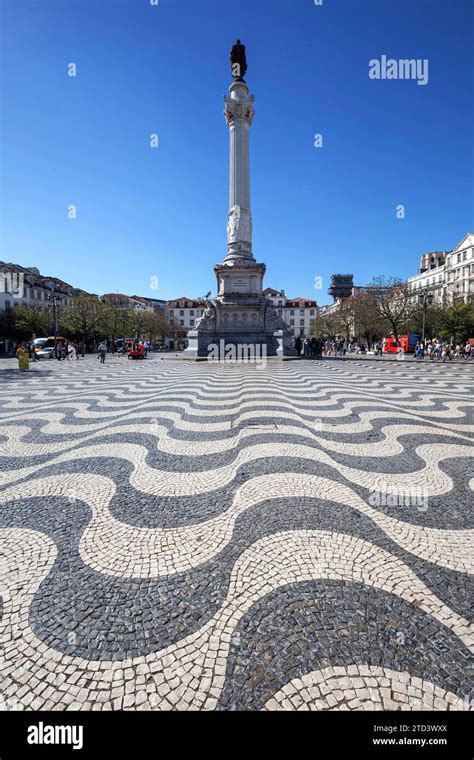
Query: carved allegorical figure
[
  {"x": 239, "y": 225},
  {"x": 208, "y": 319},
  {"x": 273, "y": 321}
]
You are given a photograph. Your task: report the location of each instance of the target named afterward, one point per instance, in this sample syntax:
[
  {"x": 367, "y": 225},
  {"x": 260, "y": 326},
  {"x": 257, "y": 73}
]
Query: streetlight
[
  {"x": 53, "y": 298},
  {"x": 425, "y": 299}
]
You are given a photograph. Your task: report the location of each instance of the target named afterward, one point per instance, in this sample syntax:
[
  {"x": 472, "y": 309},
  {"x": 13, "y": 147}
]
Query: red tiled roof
[{"x": 295, "y": 301}]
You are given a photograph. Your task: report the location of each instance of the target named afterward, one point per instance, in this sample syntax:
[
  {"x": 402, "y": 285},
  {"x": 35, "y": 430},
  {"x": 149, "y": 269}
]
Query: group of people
[
  {"x": 341, "y": 348},
  {"x": 27, "y": 348},
  {"x": 437, "y": 350},
  {"x": 314, "y": 348},
  {"x": 68, "y": 350},
  {"x": 311, "y": 347},
  {"x": 128, "y": 345}
]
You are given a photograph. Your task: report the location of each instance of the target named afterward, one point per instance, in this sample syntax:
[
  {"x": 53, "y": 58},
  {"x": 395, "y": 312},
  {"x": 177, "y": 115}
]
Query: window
[
  {"x": 301, "y": 312},
  {"x": 280, "y": 303},
  {"x": 280, "y": 311},
  {"x": 181, "y": 322},
  {"x": 301, "y": 322},
  {"x": 191, "y": 313},
  {"x": 181, "y": 303},
  {"x": 292, "y": 314},
  {"x": 170, "y": 313},
  {"x": 191, "y": 322},
  {"x": 311, "y": 312},
  {"x": 292, "y": 322},
  {"x": 459, "y": 257},
  {"x": 464, "y": 256},
  {"x": 181, "y": 313}
]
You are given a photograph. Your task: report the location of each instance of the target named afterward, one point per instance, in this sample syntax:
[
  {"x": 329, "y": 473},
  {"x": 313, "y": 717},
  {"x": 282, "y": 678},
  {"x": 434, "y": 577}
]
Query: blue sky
[{"x": 143, "y": 69}]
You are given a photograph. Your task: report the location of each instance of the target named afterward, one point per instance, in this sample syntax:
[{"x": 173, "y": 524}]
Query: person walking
[
  {"x": 298, "y": 345},
  {"x": 467, "y": 350},
  {"x": 102, "y": 351}
]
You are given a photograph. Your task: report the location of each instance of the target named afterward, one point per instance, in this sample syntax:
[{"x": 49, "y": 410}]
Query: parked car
[{"x": 44, "y": 347}]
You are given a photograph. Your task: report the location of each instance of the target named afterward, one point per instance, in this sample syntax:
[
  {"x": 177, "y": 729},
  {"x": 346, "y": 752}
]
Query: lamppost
[
  {"x": 425, "y": 299},
  {"x": 54, "y": 298}
]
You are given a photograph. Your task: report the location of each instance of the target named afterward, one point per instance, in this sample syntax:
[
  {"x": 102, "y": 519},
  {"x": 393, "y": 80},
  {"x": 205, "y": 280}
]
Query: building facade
[
  {"x": 447, "y": 275},
  {"x": 122, "y": 301},
  {"x": 184, "y": 312},
  {"x": 296, "y": 312},
  {"x": 27, "y": 287},
  {"x": 459, "y": 271}
]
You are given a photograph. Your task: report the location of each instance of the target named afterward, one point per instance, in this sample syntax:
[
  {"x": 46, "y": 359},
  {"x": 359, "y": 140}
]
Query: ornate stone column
[{"x": 238, "y": 114}]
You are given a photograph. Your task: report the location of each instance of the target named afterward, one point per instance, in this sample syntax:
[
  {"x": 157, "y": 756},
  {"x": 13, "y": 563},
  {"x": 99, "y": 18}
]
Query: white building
[
  {"x": 184, "y": 312},
  {"x": 26, "y": 286},
  {"x": 448, "y": 275},
  {"x": 297, "y": 312},
  {"x": 459, "y": 268},
  {"x": 431, "y": 275}
]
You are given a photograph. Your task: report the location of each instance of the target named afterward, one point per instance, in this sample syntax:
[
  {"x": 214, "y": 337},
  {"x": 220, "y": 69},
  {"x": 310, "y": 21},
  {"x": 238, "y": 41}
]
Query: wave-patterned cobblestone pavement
[{"x": 206, "y": 536}]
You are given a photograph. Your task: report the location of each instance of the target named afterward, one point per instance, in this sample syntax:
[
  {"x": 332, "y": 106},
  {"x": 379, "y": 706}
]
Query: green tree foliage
[
  {"x": 23, "y": 322},
  {"x": 84, "y": 317},
  {"x": 457, "y": 322}
]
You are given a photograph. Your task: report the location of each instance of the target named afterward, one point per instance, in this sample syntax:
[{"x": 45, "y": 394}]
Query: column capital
[{"x": 239, "y": 110}]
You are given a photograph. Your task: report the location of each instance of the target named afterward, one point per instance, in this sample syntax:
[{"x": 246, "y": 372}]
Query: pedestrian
[
  {"x": 298, "y": 345},
  {"x": 71, "y": 351},
  {"x": 467, "y": 350},
  {"x": 102, "y": 351}
]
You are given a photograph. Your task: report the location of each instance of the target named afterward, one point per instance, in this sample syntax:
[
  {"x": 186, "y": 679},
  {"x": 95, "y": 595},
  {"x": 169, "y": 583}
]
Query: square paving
[{"x": 209, "y": 536}]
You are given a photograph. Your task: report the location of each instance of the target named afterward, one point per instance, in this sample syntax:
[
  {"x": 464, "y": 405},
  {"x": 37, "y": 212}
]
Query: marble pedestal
[{"x": 240, "y": 317}]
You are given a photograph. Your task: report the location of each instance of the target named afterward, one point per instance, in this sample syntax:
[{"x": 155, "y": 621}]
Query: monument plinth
[{"x": 240, "y": 313}]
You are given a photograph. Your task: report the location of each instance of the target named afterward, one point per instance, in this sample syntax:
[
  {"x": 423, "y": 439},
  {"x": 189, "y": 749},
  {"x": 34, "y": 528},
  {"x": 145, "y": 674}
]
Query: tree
[
  {"x": 156, "y": 324},
  {"x": 433, "y": 320},
  {"x": 85, "y": 317},
  {"x": 394, "y": 300},
  {"x": 345, "y": 318},
  {"x": 117, "y": 322},
  {"x": 29, "y": 321},
  {"x": 137, "y": 321},
  {"x": 324, "y": 326},
  {"x": 457, "y": 322},
  {"x": 7, "y": 323},
  {"x": 368, "y": 322}
]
